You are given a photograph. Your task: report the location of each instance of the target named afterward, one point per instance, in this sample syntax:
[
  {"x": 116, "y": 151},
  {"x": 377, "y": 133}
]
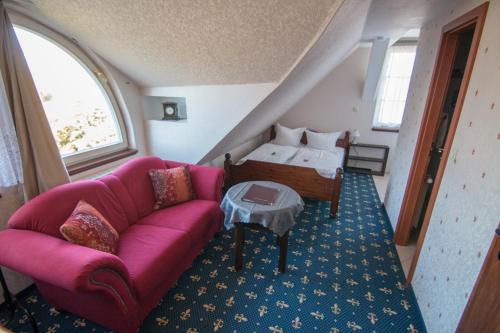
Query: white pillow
[
  {"x": 288, "y": 136},
  {"x": 323, "y": 141}
]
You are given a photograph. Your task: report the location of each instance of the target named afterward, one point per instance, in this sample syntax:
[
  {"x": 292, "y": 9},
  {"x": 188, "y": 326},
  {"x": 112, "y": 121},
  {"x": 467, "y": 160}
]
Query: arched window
[{"x": 83, "y": 113}]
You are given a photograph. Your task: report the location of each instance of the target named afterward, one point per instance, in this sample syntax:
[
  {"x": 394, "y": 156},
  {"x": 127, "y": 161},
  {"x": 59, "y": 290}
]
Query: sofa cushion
[
  {"x": 87, "y": 227},
  {"x": 135, "y": 178},
  {"x": 171, "y": 186},
  {"x": 48, "y": 211},
  {"x": 150, "y": 253},
  {"x": 194, "y": 217},
  {"x": 206, "y": 181}
]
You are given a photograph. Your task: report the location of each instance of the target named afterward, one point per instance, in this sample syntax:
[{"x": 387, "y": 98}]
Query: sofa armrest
[
  {"x": 207, "y": 181},
  {"x": 60, "y": 263}
]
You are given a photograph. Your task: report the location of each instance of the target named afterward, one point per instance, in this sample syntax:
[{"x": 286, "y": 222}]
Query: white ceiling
[
  {"x": 192, "y": 42},
  {"x": 201, "y": 42},
  {"x": 393, "y": 18}
]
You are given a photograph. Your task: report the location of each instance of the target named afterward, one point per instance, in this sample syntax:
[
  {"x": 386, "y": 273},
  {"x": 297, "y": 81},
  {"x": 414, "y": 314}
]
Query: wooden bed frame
[{"x": 306, "y": 181}]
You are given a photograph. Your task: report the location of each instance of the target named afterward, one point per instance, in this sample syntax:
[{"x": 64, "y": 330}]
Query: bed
[{"x": 312, "y": 173}]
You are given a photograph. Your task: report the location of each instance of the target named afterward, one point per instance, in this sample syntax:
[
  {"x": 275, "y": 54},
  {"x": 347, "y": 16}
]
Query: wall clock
[{"x": 170, "y": 111}]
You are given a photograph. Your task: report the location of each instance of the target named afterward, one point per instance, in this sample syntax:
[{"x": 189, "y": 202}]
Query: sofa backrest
[
  {"x": 48, "y": 211},
  {"x": 136, "y": 182}
]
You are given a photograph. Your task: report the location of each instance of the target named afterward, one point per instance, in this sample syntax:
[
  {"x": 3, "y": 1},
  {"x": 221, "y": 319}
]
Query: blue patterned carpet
[{"x": 343, "y": 276}]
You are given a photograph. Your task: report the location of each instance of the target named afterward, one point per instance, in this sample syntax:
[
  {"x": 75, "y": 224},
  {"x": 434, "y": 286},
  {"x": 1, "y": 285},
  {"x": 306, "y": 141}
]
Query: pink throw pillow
[
  {"x": 171, "y": 186},
  {"x": 87, "y": 227}
]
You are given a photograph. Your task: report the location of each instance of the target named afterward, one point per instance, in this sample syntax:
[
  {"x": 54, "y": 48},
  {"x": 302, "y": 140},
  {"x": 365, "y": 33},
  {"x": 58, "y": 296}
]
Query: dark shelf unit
[
  {"x": 368, "y": 159},
  {"x": 381, "y": 161}
]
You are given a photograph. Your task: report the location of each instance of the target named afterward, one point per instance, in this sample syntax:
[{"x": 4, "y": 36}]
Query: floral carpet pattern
[{"x": 343, "y": 275}]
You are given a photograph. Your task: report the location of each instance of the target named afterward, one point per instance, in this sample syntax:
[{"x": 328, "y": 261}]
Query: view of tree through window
[{"x": 79, "y": 112}]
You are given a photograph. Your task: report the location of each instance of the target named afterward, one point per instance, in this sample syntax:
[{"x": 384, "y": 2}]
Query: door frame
[
  {"x": 478, "y": 316},
  {"x": 430, "y": 121}
]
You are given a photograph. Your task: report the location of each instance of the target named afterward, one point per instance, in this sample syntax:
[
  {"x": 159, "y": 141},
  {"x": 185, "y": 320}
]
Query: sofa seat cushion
[
  {"x": 196, "y": 217},
  {"x": 150, "y": 253}
]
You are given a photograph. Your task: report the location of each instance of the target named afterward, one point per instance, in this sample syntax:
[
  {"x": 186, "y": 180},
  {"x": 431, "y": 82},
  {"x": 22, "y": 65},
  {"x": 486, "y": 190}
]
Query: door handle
[
  {"x": 497, "y": 231},
  {"x": 440, "y": 150}
]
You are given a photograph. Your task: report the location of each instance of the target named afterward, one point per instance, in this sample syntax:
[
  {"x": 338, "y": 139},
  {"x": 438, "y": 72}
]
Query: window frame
[
  {"x": 376, "y": 126},
  {"x": 88, "y": 159}
]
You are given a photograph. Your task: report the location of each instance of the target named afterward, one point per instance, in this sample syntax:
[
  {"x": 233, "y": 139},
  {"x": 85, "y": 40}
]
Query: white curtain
[
  {"x": 41, "y": 161},
  {"x": 10, "y": 160}
]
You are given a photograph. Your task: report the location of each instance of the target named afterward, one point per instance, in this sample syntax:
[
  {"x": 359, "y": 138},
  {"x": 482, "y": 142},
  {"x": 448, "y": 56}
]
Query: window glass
[
  {"x": 394, "y": 84},
  {"x": 79, "y": 110}
]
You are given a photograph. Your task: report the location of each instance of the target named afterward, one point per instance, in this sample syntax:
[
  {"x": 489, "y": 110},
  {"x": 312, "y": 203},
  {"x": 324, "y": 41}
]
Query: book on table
[{"x": 261, "y": 195}]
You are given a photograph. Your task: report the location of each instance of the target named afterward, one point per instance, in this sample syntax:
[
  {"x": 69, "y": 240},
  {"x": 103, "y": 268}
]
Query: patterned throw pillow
[
  {"x": 171, "y": 186},
  {"x": 87, "y": 227}
]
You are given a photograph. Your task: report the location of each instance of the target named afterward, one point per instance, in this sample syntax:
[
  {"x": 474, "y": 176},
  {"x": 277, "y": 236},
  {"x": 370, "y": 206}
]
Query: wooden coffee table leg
[
  {"x": 240, "y": 241},
  {"x": 283, "y": 243}
]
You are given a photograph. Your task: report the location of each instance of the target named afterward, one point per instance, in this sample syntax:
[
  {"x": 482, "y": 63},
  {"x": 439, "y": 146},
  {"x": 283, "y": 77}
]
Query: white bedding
[
  {"x": 325, "y": 162},
  {"x": 269, "y": 152}
]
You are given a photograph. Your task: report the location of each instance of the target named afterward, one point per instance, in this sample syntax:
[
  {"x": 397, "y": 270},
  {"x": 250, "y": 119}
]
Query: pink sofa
[{"x": 116, "y": 291}]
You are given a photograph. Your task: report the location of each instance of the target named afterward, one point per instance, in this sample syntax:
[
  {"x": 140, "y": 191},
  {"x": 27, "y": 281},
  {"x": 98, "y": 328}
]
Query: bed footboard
[{"x": 305, "y": 181}]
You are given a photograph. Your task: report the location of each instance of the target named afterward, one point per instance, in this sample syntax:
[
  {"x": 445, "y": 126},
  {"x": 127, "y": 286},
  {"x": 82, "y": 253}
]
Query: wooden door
[
  {"x": 436, "y": 98},
  {"x": 443, "y": 72},
  {"x": 482, "y": 313}
]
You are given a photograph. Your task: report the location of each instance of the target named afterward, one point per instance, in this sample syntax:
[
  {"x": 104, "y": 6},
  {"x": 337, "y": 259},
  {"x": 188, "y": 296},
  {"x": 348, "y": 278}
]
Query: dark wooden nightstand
[{"x": 367, "y": 158}]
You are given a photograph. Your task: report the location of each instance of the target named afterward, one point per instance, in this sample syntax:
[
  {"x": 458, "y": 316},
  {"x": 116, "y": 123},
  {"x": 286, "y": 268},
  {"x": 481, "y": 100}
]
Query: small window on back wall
[{"x": 393, "y": 88}]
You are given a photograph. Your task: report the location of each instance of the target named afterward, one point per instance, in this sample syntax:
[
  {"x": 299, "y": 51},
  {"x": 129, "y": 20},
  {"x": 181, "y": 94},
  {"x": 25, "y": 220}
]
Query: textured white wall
[
  {"x": 130, "y": 98},
  {"x": 212, "y": 111},
  {"x": 335, "y": 103},
  {"x": 467, "y": 208}
]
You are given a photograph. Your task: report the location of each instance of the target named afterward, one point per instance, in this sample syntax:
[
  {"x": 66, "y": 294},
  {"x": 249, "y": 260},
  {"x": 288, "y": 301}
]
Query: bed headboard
[{"x": 341, "y": 142}]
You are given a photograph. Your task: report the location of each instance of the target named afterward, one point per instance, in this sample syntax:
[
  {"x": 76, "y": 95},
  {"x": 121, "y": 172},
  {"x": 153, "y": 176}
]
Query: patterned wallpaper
[{"x": 467, "y": 208}]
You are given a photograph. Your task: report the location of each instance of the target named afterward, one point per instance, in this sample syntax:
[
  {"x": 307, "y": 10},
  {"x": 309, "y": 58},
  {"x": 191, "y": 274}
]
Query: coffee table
[{"x": 278, "y": 218}]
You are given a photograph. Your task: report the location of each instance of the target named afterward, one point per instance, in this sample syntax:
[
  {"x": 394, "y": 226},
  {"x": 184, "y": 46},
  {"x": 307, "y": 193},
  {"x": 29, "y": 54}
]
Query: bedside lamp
[{"x": 355, "y": 135}]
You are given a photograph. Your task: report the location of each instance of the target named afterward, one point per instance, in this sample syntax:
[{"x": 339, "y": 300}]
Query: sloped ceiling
[
  {"x": 393, "y": 18},
  {"x": 355, "y": 21},
  {"x": 340, "y": 37},
  {"x": 192, "y": 42}
]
